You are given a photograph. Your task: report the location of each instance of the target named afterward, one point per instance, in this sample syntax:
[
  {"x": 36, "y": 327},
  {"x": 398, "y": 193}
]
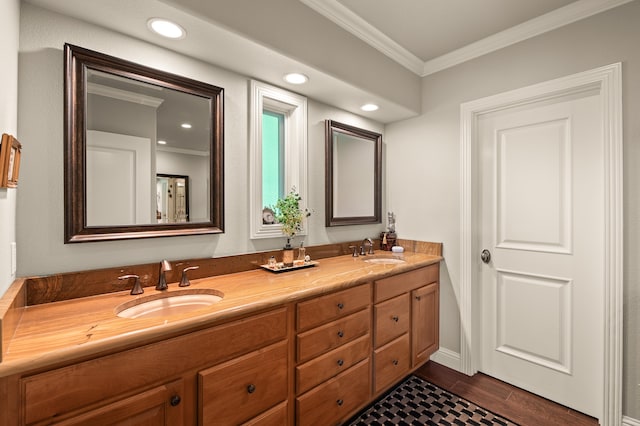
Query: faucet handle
[
  {"x": 355, "y": 251},
  {"x": 137, "y": 287},
  {"x": 184, "y": 282}
]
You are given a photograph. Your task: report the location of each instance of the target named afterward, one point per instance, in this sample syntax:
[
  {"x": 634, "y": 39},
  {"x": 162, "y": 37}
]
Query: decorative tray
[{"x": 279, "y": 268}]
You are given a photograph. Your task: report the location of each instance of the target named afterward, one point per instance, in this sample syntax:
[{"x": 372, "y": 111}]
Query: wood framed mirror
[
  {"x": 353, "y": 175},
  {"x": 126, "y": 123}
]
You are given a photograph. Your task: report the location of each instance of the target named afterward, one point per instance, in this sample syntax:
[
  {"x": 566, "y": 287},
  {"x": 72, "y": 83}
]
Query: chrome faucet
[
  {"x": 162, "y": 281},
  {"x": 364, "y": 244}
]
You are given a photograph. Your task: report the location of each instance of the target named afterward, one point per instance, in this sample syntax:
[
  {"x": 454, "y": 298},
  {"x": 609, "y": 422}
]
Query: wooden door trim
[{"x": 607, "y": 81}]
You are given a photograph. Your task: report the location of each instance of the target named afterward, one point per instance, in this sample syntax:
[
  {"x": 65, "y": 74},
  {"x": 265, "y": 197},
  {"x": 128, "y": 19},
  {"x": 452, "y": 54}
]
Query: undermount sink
[
  {"x": 385, "y": 260},
  {"x": 167, "y": 304}
]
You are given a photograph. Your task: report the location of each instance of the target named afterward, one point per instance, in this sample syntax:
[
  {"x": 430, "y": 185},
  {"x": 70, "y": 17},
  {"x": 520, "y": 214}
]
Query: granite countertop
[{"x": 53, "y": 334}]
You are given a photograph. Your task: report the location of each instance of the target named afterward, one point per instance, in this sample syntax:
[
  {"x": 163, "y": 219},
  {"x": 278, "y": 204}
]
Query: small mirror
[
  {"x": 172, "y": 198},
  {"x": 353, "y": 175},
  {"x": 143, "y": 151}
]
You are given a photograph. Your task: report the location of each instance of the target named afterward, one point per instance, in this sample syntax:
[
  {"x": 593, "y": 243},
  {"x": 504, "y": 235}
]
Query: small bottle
[{"x": 301, "y": 256}]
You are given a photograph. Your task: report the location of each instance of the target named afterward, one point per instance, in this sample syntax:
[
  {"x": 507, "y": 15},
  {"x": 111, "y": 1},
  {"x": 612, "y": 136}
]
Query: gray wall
[
  {"x": 426, "y": 150},
  {"x": 9, "y": 30},
  {"x": 40, "y": 206}
]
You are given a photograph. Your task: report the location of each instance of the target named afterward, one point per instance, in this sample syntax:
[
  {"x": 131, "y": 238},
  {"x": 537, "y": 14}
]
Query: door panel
[
  {"x": 534, "y": 208},
  {"x": 546, "y": 341}
]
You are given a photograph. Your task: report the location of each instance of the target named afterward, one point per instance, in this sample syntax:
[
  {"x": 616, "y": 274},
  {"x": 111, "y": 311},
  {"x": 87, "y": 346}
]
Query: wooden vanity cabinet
[
  {"x": 333, "y": 356},
  {"x": 317, "y": 361},
  {"x": 160, "y": 381}
]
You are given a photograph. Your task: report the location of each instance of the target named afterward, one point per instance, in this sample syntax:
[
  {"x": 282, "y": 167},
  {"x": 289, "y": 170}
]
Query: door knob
[{"x": 485, "y": 256}]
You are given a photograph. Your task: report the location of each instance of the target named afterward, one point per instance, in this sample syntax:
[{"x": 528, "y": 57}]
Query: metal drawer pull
[
  {"x": 340, "y": 402},
  {"x": 175, "y": 400},
  {"x": 251, "y": 388},
  {"x": 395, "y": 362},
  {"x": 395, "y": 318},
  {"x": 340, "y": 362},
  {"x": 340, "y": 305},
  {"x": 340, "y": 333}
]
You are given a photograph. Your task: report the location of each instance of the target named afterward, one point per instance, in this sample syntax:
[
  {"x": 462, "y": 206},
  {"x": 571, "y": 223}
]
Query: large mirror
[
  {"x": 130, "y": 131},
  {"x": 353, "y": 175}
]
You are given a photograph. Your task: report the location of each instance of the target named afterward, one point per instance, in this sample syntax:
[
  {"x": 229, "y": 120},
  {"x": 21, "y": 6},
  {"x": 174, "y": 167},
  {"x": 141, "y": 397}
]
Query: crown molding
[
  {"x": 123, "y": 95},
  {"x": 345, "y": 18},
  {"x": 550, "y": 21}
]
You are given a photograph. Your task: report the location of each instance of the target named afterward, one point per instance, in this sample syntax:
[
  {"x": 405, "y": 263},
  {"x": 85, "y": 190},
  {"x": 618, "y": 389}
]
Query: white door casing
[
  {"x": 605, "y": 83},
  {"x": 541, "y": 208}
]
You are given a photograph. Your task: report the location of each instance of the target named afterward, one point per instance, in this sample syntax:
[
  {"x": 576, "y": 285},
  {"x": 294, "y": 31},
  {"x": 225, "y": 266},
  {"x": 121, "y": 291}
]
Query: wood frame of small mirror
[
  {"x": 373, "y": 202},
  {"x": 78, "y": 62}
]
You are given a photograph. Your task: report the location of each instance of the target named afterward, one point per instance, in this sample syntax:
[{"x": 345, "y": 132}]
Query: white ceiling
[
  {"x": 427, "y": 36},
  {"x": 430, "y": 28},
  {"x": 350, "y": 49}
]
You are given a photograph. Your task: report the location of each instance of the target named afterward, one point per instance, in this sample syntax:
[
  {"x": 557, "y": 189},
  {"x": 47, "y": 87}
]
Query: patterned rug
[{"x": 418, "y": 402}]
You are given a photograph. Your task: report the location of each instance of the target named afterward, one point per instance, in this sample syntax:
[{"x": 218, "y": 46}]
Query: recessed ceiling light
[
  {"x": 162, "y": 142},
  {"x": 369, "y": 107},
  {"x": 166, "y": 28},
  {"x": 296, "y": 78},
  {"x": 185, "y": 125}
]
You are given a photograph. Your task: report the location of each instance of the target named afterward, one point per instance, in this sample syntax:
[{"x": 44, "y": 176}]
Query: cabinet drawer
[
  {"x": 60, "y": 391},
  {"x": 405, "y": 282},
  {"x": 332, "y": 306},
  {"x": 391, "y": 319},
  {"x": 238, "y": 390},
  {"x": 277, "y": 416},
  {"x": 329, "y": 336},
  {"x": 324, "y": 367},
  {"x": 391, "y": 362},
  {"x": 336, "y": 399}
]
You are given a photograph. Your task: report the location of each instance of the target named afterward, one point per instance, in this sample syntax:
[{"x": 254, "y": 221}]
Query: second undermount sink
[
  {"x": 385, "y": 260},
  {"x": 166, "y": 304}
]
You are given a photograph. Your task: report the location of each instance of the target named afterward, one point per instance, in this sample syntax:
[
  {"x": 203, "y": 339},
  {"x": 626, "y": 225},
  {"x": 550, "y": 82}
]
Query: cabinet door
[
  {"x": 238, "y": 390},
  {"x": 425, "y": 323},
  {"x": 161, "y": 405}
]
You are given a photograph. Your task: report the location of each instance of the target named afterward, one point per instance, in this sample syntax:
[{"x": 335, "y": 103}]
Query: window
[
  {"x": 278, "y": 147},
  {"x": 272, "y": 158}
]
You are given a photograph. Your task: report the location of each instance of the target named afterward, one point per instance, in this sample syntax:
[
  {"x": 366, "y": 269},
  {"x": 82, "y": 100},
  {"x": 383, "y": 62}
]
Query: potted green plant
[{"x": 289, "y": 214}]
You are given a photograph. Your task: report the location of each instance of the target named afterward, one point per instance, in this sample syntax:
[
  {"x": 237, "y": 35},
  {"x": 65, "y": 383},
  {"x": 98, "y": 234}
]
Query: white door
[
  {"x": 542, "y": 220},
  {"x": 118, "y": 180}
]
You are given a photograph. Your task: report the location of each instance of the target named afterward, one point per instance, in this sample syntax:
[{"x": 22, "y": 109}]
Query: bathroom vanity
[{"x": 312, "y": 346}]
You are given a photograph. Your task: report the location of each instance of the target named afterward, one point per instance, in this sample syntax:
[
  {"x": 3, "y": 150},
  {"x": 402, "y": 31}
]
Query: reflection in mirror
[
  {"x": 172, "y": 198},
  {"x": 353, "y": 175},
  {"x": 125, "y": 124}
]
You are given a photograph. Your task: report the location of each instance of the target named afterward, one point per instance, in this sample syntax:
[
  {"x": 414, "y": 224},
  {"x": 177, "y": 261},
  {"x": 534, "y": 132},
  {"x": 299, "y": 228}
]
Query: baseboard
[
  {"x": 628, "y": 421},
  {"x": 448, "y": 358}
]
